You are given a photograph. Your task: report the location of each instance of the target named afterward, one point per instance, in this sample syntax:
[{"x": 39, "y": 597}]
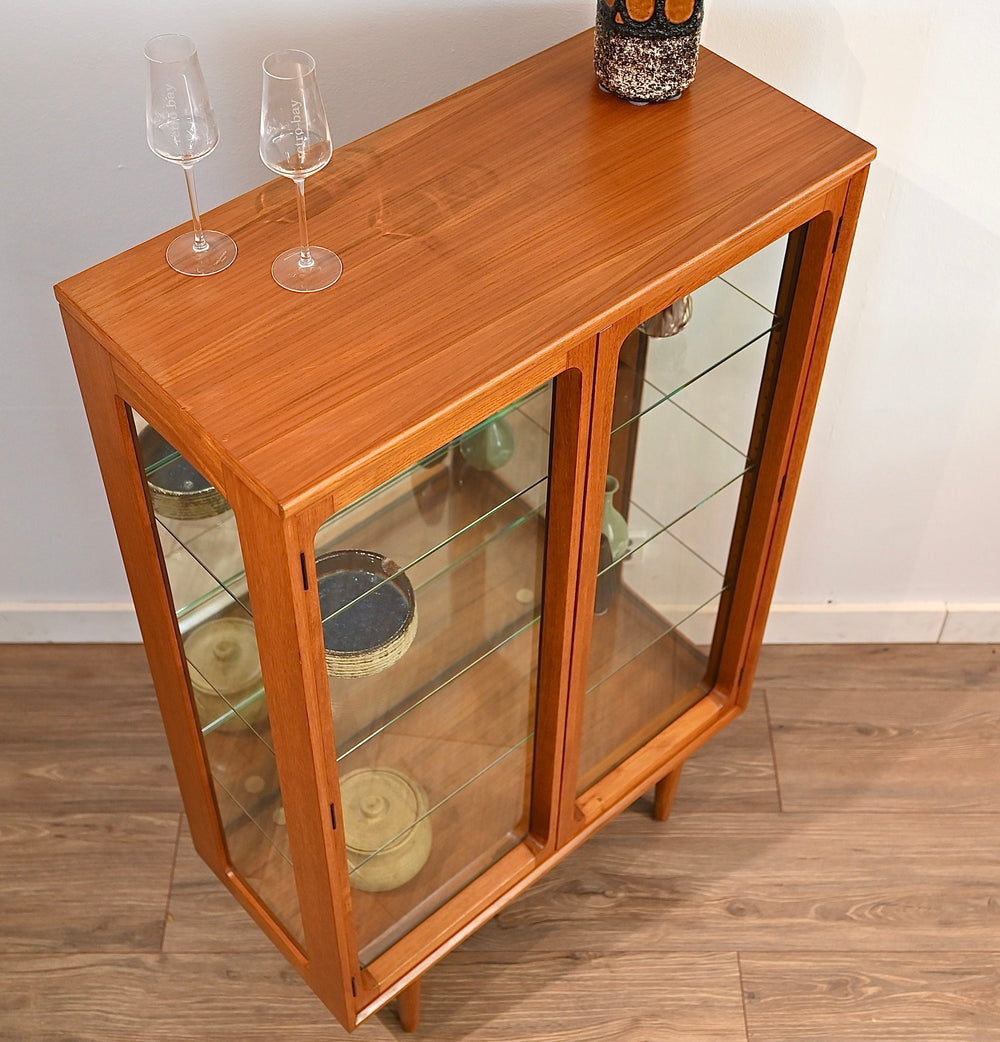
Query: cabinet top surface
[{"x": 513, "y": 219}]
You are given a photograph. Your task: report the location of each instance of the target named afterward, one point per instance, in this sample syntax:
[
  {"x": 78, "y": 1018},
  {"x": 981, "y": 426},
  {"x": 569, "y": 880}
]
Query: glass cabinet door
[
  {"x": 201, "y": 549},
  {"x": 430, "y": 593},
  {"x": 685, "y": 404}
]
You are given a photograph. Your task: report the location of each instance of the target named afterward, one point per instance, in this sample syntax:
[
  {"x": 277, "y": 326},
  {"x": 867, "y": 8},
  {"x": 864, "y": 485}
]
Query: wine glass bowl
[
  {"x": 295, "y": 142},
  {"x": 181, "y": 128}
]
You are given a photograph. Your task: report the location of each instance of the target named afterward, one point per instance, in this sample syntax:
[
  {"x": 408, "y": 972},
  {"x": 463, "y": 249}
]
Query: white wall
[
  {"x": 892, "y": 534},
  {"x": 895, "y": 526}
]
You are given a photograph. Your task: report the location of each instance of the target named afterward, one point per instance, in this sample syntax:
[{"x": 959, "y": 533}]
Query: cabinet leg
[
  {"x": 408, "y": 1006},
  {"x": 663, "y": 795}
]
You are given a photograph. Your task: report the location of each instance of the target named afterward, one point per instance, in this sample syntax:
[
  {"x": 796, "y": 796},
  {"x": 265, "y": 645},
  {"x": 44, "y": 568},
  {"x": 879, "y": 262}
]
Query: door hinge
[
  {"x": 836, "y": 236},
  {"x": 333, "y": 815},
  {"x": 354, "y": 987},
  {"x": 305, "y": 572}
]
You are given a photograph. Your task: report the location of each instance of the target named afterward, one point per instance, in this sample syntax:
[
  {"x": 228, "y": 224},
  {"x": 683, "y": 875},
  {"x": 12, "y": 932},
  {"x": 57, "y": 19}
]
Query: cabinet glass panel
[
  {"x": 685, "y": 403},
  {"x": 201, "y": 549},
  {"x": 430, "y": 592}
]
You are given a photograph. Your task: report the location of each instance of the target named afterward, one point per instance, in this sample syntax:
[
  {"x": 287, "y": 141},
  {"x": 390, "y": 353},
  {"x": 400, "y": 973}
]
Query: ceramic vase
[
  {"x": 490, "y": 446},
  {"x": 647, "y": 50},
  {"x": 614, "y": 527},
  {"x": 614, "y": 544}
]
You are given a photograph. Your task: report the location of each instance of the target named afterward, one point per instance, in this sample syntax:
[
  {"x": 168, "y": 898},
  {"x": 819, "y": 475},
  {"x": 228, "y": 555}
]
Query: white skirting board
[
  {"x": 63, "y": 623},
  {"x": 903, "y": 623},
  {"x": 900, "y": 623}
]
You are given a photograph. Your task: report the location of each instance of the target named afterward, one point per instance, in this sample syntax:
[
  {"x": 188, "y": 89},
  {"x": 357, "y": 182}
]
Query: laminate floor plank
[
  {"x": 236, "y": 997},
  {"x": 735, "y": 770},
  {"x": 73, "y": 666},
  {"x": 715, "y": 881},
  {"x": 864, "y": 904},
  {"x": 851, "y": 997},
  {"x": 34, "y": 717},
  {"x": 887, "y": 750},
  {"x": 204, "y": 916},
  {"x": 940, "y": 667},
  {"x": 85, "y": 882},
  {"x": 71, "y": 747},
  {"x": 255, "y": 997},
  {"x": 88, "y": 777},
  {"x": 583, "y": 996}
]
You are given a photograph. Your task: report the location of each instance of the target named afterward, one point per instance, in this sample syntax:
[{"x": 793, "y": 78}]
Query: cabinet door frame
[
  {"x": 110, "y": 394},
  {"x": 820, "y": 234},
  {"x": 443, "y": 929}
]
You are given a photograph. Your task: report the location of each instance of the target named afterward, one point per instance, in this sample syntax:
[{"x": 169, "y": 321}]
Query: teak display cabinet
[{"x": 440, "y": 568}]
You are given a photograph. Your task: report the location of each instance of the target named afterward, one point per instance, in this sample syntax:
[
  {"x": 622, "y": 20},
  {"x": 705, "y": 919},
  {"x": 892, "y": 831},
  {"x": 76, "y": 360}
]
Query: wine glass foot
[
  {"x": 324, "y": 271},
  {"x": 217, "y": 256}
]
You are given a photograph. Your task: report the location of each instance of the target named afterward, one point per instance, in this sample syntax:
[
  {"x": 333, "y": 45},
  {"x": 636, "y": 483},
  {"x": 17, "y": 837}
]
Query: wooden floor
[{"x": 831, "y": 871}]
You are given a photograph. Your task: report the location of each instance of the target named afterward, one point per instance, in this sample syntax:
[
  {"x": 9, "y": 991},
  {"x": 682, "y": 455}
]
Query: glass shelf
[
  {"x": 758, "y": 276},
  {"x": 725, "y": 322},
  {"x": 258, "y": 851},
  {"x": 489, "y": 577},
  {"x": 410, "y": 515},
  {"x": 204, "y": 557},
  {"x": 664, "y": 482},
  {"x": 470, "y": 543},
  {"x": 244, "y": 768},
  {"x": 649, "y": 649},
  {"x": 201, "y": 550},
  {"x": 684, "y": 411},
  {"x": 489, "y": 816},
  {"x": 195, "y": 525},
  {"x": 453, "y": 713},
  {"x": 673, "y": 582}
]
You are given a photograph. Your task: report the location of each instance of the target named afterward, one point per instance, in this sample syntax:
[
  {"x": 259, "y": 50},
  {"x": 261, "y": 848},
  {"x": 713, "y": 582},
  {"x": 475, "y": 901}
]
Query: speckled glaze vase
[{"x": 647, "y": 50}]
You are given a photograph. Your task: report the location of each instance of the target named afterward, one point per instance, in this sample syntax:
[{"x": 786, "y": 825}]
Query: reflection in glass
[
  {"x": 201, "y": 550},
  {"x": 685, "y": 405},
  {"x": 435, "y": 746}
]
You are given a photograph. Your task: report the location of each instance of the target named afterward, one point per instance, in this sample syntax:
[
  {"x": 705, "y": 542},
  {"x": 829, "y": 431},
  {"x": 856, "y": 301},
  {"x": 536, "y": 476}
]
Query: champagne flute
[
  {"x": 181, "y": 127},
  {"x": 295, "y": 142}
]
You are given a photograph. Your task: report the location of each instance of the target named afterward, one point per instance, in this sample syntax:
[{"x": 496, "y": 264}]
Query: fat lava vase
[{"x": 647, "y": 50}]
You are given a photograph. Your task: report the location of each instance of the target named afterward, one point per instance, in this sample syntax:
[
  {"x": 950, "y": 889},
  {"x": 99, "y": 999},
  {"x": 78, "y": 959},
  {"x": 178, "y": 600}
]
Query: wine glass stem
[
  {"x": 305, "y": 257},
  {"x": 199, "y": 236}
]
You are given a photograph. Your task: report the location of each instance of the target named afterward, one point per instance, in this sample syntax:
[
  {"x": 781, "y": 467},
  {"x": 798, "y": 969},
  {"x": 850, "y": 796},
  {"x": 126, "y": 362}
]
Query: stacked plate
[
  {"x": 175, "y": 487},
  {"x": 368, "y": 609}
]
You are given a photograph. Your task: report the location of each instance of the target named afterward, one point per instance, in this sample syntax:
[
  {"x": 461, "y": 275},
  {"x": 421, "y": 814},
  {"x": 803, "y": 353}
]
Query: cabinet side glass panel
[
  {"x": 430, "y": 592},
  {"x": 201, "y": 549},
  {"x": 684, "y": 410}
]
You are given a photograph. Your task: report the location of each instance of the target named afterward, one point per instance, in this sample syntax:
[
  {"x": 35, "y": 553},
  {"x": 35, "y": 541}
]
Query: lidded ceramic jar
[
  {"x": 224, "y": 668},
  {"x": 386, "y": 828}
]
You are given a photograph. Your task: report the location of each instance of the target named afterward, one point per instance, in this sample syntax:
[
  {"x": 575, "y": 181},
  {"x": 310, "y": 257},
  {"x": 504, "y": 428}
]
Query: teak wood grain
[
  {"x": 508, "y": 236},
  {"x": 534, "y": 180}
]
